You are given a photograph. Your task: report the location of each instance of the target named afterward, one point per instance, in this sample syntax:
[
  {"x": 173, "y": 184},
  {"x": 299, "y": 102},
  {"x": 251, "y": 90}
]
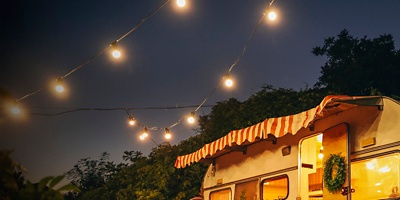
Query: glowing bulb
[
  {"x": 59, "y": 88},
  {"x": 272, "y": 16},
  {"x": 228, "y": 82},
  {"x": 131, "y": 120},
  {"x": 181, "y": 3},
  {"x": 15, "y": 110},
  {"x": 320, "y": 155},
  {"x": 141, "y": 137},
  {"x": 116, "y": 53},
  {"x": 167, "y": 134},
  {"x": 191, "y": 118}
]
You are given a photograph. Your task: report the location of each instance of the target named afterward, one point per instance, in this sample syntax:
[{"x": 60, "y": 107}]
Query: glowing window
[
  {"x": 275, "y": 188},
  {"x": 224, "y": 194},
  {"x": 376, "y": 178}
]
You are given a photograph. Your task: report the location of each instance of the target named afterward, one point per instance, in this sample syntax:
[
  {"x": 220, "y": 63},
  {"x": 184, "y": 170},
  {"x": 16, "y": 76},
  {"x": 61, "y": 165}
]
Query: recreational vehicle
[{"x": 345, "y": 148}]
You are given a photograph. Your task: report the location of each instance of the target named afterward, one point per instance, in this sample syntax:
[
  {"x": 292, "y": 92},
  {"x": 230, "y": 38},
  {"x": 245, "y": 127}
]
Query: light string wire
[
  {"x": 237, "y": 60},
  {"x": 101, "y": 51}
]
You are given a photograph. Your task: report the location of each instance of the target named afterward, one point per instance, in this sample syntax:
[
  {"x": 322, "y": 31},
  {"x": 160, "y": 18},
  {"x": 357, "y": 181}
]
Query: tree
[
  {"x": 360, "y": 66},
  {"x": 90, "y": 176},
  {"x": 14, "y": 186}
]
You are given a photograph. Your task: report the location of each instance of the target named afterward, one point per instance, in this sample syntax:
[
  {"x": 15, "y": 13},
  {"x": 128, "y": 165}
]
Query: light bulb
[
  {"x": 15, "y": 110},
  {"x": 141, "y": 137},
  {"x": 320, "y": 155},
  {"x": 272, "y": 15},
  {"x": 59, "y": 87},
  {"x": 228, "y": 82},
  {"x": 181, "y": 3},
  {"x": 116, "y": 53},
  {"x": 167, "y": 134},
  {"x": 191, "y": 118},
  {"x": 131, "y": 120}
]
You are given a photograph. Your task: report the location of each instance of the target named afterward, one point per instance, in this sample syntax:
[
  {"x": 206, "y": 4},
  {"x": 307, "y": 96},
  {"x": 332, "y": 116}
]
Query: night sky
[{"x": 175, "y": 58}]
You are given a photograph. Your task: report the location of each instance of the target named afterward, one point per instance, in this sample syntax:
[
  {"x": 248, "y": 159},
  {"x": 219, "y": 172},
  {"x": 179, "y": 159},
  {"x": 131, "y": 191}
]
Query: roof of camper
[{"x": 276, "y": 127}]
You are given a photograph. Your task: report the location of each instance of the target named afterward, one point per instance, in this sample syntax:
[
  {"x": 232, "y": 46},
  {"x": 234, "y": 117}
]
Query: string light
[
  {"x": 181, "y": 3},
  {"x": 272, "y": 15},
  {"x": 15, "y": 109},
  {"x": 117, "y": 54},
  {"x": 144, "y": 135},
  {"x": 167, "y": 134},
  {"x": 191, "y": 118},
  {"x": 131, "y": 120},
  {"x": 228, "y": 81},
  {"x": 59, "y": 86}
]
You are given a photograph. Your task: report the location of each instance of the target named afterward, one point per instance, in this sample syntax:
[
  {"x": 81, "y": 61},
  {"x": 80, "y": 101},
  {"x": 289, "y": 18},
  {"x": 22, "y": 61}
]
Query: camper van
[{"x": 345, "y": 148}]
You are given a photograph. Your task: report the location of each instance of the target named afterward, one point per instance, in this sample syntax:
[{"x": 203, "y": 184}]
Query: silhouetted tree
[{"x": 360, "y": 66}]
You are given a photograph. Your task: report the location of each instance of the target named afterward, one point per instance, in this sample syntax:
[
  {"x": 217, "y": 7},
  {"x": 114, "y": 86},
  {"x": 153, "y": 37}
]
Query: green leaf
[
  {"x": 68, "y": 187},
  {"x": 43, "y": 182},
  {"x": 55, "y": 181}
]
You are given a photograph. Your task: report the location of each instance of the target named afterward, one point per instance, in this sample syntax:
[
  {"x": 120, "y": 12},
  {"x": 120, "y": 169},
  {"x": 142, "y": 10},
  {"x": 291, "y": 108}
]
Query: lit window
[{"x": 275, "y": 188}]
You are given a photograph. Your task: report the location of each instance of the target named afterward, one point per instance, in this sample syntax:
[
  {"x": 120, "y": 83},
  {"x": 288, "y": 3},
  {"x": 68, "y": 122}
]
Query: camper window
[
  {"x": 224, "y": 194},
  {"x": 246, "y": 190},
  {"x": 376, "y": 178},
  {"x": 275, "y": 188}
]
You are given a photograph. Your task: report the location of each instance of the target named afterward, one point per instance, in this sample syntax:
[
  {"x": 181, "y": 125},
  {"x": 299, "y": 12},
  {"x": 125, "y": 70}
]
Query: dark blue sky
[{"x": 175, "y": 58}]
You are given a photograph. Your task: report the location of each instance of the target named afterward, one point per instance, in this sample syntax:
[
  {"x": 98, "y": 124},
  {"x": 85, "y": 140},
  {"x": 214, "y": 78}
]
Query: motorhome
[{"x": 345, "y": 148}]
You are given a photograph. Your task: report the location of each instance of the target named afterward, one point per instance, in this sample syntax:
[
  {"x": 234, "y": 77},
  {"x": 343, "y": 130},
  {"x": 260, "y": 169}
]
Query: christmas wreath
[{"x": 334, "y": 184}]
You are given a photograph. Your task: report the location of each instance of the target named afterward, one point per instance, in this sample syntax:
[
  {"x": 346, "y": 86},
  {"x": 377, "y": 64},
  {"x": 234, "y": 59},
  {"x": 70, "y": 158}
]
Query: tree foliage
[
  {"x": 14, "y": 186},
  {"x": 360, "y": 66}
]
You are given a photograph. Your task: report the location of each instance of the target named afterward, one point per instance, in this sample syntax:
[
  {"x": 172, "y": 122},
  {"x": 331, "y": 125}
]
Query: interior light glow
[
  {"x": 384, "y": 169},
  {"x": 319, "y": 138},
  {"x": 181, "y": 3},
  {"x": 320, "y": 155},
  {"x": 191, "y": 118}
]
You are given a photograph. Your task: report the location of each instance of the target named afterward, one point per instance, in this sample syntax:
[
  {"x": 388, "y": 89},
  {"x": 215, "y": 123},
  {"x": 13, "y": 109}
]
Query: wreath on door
[{"x": 337, "y": 162}]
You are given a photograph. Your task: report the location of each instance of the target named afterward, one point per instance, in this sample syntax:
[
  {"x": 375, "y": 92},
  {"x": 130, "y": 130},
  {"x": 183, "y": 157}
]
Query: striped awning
[{"x": 279, "y": 127}]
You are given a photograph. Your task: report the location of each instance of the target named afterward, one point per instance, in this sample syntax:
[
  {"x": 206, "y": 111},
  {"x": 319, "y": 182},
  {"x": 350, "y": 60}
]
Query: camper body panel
[{"x": 371, "y": 131}]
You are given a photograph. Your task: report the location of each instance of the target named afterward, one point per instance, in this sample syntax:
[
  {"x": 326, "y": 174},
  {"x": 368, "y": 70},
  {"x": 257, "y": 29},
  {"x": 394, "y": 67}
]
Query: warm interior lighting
[
  {"x": 131, "y": 120},
  {"x": 272, "y": 16},
  {"x": 181, "y": 3},
  {"x": 191, "y": 118},
  {"x": 59, "y": 87}
]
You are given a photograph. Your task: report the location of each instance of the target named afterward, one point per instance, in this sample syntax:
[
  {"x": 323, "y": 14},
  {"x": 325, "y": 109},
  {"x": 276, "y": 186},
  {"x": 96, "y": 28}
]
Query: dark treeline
[{"x": 354, "y": 66}]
